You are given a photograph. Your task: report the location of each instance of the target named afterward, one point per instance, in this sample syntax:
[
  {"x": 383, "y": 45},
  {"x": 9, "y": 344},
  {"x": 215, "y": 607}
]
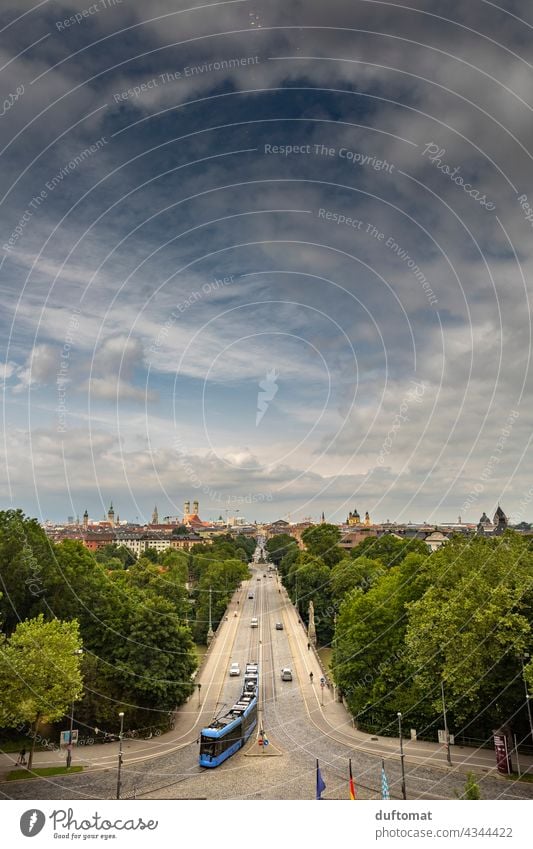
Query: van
[{"x": 254, "y": 623}]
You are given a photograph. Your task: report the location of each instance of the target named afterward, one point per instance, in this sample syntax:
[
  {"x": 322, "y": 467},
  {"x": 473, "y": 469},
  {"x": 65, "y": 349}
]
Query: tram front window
[{"x": 208, "y": 747}]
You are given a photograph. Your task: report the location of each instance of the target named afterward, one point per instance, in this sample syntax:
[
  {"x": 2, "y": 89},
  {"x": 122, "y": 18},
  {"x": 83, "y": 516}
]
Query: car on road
[
  {"x": 286, "y": 673},
  {"x": 279, "y": 626},
  {"x": 252, "y": 667},
  {"x": 250, "y": 595},
  {"x": 259, "y": 579},
  {"x": 254, "y": 623},
  {"x": 234, "y": 669}
]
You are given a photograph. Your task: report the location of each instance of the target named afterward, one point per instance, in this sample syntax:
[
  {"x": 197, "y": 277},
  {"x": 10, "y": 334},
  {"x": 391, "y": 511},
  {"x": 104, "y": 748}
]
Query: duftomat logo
[
  {"x": 32, "y": 822},
  {"x": 269, "y": 388}
]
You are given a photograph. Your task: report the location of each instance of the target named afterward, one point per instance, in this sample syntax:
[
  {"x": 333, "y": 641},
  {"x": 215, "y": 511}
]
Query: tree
[
  {"x": 389, "y": 549},
  {"x": 222, "y": 578},
  {"x": 309, "y": 577},
  {"x": 180, "y": 531},
  {"x": 471, "y": 790},
  {"x": 26, "y": 561},
  {"x": 39, "y": 673},
  {"x": 247, "y": 544},
  {"x": 350, "y": 573},
  {"x": 322, "y": 541},
  {"x": 157, "y": 659},
  {"x": 279, "y": 545},
  {"x": 110, "y": 552},
  {"x": 473, "y": 624},
  {"x": 369, "y": 660}
]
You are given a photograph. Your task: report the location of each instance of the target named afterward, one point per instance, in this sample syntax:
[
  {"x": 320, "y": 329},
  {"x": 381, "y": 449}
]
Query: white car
[{"x": 234, "y": 669}]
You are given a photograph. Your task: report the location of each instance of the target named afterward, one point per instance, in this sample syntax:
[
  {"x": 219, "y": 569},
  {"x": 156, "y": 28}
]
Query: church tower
[
  {"x": 367, "y": 519},
  {"x": 85, "y": 520},
  {"x": 155, "y": 516},
  {"x": 111, "y": 515},
  {"x": 186, "y": 510}
]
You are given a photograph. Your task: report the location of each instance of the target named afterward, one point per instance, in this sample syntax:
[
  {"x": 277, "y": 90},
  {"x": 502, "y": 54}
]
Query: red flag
[{"x": 352, "y": 785}]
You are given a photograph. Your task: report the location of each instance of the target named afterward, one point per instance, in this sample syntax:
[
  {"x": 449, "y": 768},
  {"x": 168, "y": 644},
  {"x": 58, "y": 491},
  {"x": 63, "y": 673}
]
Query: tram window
[
  {"x": 230, "y": 739},
  {"x": 208, "y": 747}
]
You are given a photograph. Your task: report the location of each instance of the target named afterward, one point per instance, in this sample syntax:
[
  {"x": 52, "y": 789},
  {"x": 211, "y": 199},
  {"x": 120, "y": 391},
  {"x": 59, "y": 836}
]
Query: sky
[{"x": 274, "y": 256}]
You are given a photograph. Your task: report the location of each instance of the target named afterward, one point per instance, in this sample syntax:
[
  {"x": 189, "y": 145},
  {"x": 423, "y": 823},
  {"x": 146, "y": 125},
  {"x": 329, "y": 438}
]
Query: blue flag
[
  {"x": 384, "y": 783},
  {"x": 320, "y": 784}
]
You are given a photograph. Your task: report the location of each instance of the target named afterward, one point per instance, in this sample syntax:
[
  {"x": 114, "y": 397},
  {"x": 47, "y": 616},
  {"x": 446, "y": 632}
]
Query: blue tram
[{"x": 228, "y": 733}]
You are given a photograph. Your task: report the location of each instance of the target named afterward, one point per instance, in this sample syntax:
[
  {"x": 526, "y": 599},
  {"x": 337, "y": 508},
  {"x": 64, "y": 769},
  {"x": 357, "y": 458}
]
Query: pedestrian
[
  {"x": 308, "y": 646},
  {"x": 22, "y": 757},
  {"x": 311, "y": 677}
]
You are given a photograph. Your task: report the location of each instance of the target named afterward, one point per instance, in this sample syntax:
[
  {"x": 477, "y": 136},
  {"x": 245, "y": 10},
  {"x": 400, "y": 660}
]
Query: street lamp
[
  {"x": 446, "y": 731},
  {"x": 402, "y": 756},
  {"x": 121, "y": 714},
  {"x": 69, "y": 747},
  {"x": 210, "y": 633}
]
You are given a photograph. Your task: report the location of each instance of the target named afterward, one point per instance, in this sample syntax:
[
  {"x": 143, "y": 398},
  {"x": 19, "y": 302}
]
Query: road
[{"x": 302, "y": 722}]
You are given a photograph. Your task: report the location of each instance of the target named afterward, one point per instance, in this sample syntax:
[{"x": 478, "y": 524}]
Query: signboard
[
  {"x": 413, "y": 733},
  {"x": 501, "y": 748},
  {"x": 442, "y": 737},
  {"x": 65, "y": 740}
]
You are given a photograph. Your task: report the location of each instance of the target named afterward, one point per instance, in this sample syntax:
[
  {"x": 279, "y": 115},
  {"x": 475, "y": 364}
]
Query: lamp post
[
  {"x": 69, "y": 747},
  {"x": 446, "y": 731},
  {"x": 402, "y": 756},
  {"x": 210, "y": 633},
  {"x": 121, "y": 714},
  {"x": 71, "y": 727}
]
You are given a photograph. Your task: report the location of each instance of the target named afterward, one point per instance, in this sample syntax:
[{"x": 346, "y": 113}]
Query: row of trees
[
  {"x": 402, "y": 620},
  {"x": 135, "y": 620}
]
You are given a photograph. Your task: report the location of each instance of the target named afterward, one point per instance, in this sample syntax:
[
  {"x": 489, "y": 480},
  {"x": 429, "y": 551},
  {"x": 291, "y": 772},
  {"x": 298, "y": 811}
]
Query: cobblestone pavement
[{"x": 286, "y": 770}]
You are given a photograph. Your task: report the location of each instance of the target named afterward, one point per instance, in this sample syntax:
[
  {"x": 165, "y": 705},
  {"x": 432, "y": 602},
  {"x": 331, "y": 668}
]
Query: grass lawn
[
  {"x": 525, "y": 777},
  {"x": 200, "y": 651},
  {"x": 18, "y": 774},
  {"x": 326, "y": 656}
]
